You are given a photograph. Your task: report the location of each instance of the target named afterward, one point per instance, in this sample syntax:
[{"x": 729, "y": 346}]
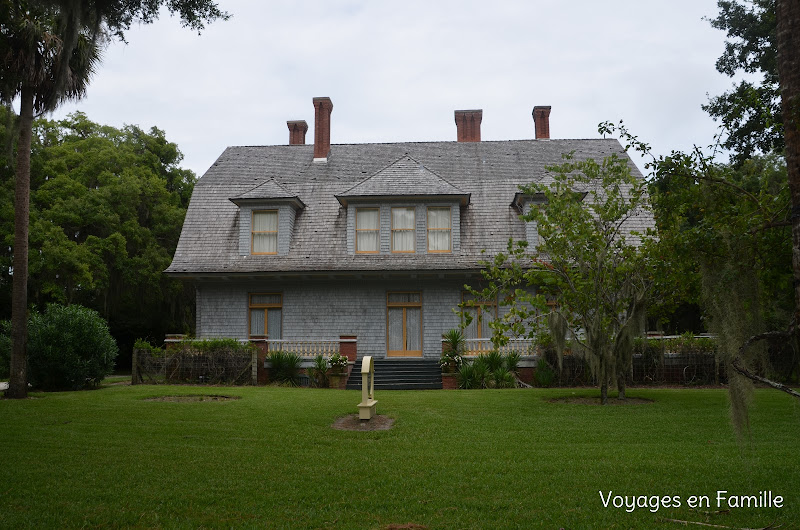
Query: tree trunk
[
  {"x": 604, "y": 391},
  {"x": 621, "y": 386},
  {"x": 18, "y": 382},
  {"x": 788, "y": 44}
]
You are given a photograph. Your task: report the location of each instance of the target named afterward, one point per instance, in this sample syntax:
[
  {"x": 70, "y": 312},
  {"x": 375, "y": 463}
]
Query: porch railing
[
  {"x": 479, "y": 346},
  {"x": 303, "y": 348}
]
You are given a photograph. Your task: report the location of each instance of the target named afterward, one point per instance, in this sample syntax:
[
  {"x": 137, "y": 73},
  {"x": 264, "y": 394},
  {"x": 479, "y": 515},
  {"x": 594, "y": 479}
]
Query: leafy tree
[
  {"x": 107, "y": 207},
  {"x": 751, "y": 111},
  {"x": 49, "y": 50},
  {"x": 588, "y": 264}
]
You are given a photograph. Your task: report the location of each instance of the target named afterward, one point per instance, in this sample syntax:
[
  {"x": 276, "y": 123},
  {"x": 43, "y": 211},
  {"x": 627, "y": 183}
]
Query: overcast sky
[{"x": 396, "y": 71}]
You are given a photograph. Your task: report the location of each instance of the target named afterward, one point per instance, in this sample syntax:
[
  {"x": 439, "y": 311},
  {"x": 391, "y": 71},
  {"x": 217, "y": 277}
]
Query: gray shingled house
[{"x": 310, "y": 243}]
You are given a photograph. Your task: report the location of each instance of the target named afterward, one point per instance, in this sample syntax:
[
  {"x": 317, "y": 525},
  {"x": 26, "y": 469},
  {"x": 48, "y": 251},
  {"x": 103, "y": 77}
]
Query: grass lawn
[{"x": 454, "y": 459}]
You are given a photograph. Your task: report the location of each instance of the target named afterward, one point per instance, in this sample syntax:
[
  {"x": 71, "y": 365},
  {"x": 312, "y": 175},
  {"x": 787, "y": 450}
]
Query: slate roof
[
  {"x": 269, "y": 190},
  {"x": 404, "y": 178},
  {"x": 489, "y": 173}
]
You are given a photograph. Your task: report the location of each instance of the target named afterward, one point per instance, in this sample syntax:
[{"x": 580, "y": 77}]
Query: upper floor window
[
  {"x": 368, "y": 229},
  {"x": 439, "y": 230},
  {"x": 264, "y": 230},
  {"x": 403, "y": 233}
]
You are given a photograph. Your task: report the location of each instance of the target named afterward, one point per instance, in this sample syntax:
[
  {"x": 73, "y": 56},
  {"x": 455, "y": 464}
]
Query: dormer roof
[
  {"x": 269, "y": 191},
  {"x": 404, "y": 178}
]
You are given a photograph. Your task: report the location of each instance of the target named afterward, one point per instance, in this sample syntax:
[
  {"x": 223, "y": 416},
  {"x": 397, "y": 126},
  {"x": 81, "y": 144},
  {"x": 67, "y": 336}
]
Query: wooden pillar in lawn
[{"x": 368, "y": 406}]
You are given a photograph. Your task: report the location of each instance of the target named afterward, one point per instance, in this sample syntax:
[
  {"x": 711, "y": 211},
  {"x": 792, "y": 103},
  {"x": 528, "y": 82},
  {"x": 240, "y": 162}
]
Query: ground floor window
[
  {"x": 265, "y": 315},
  {"x": 404, "y": 324},
  {"x": 482, "y": 312}
]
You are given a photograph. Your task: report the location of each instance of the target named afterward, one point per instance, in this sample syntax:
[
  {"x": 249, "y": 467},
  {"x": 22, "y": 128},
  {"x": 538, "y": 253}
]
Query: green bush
[
  {"x": 318, "y": 373},
  {"x": 284, "y": 367},
  {"x": 512, "y": 362},
  {"x": 5, "y": 349},
  {"x": 218, "y": 345},
  {"x": 544, "y": 373},
  {"x": 69, "y": 348}
]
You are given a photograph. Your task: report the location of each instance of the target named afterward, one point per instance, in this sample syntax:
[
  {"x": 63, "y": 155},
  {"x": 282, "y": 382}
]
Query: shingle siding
[{"x": 325, "y": 309}]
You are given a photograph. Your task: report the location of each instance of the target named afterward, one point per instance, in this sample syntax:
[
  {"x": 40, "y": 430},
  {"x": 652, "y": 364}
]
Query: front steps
[{"x": 400, "y": 374}]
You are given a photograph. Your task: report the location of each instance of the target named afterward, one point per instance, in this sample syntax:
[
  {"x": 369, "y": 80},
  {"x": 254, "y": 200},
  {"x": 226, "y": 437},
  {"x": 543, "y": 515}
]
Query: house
[{"x": 305, "y": 244}]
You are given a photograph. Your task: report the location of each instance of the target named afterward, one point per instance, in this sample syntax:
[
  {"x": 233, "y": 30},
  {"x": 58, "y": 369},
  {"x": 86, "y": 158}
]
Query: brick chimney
[
  {"x": 468, "y": 125},
  {"x": 322, "y": 128},
  {"x": 297, "y": 132},
  {"x": 541, "y": 122}
]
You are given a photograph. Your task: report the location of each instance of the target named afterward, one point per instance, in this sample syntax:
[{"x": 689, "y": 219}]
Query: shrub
[
  {"x": 285, "y": 367},
  {"x": 544, "y": 373},
  {"x": 466, "y": 377},
  {"x": 493, "y": 359},
  {"x": 512, "y": 362},
  {"x": 452, "y": 350},
  {"x": 69, "y": 348},
  {"x": 318, "y": 373},
  {"x": 502, "y": 378}
]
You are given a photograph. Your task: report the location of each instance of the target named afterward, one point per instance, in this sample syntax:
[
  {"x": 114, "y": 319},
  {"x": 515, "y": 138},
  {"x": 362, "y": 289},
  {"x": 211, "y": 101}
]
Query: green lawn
[{"x": 454, "y": 459}]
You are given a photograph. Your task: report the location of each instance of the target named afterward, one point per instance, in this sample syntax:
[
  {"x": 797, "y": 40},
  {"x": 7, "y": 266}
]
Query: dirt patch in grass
[
  {"x": 352, "y": 423},
  {"x": 587, "y": 400},
  {"x": 190, "y": 398}
]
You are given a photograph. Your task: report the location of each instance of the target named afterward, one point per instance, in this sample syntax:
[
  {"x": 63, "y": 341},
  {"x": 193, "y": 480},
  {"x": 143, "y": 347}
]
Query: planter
[
  {"x": 338, "y": 380},
  {"x": 449, "y": 381}
]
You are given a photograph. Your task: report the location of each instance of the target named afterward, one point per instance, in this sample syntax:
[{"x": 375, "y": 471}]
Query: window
[
  {"x": 368, "y": 230},
  {"x": 404, "y": 324},
  {"x": 482, "y": 312},
  {"x": 264, "y": 238},
  {"x": 439, "y": 229},
  {"x": 266, "y": 315},
  {"x": 403, "y": 234}
]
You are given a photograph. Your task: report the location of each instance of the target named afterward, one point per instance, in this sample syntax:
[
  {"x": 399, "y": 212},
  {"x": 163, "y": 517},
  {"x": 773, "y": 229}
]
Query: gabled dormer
[
  {"x": 266, "y": 219},
  {"x": 405, "y": 208}
]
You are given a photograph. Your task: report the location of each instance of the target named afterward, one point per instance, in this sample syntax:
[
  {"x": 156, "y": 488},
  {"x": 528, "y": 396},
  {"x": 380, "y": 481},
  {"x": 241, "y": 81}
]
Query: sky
[{"x": 396, "y": 72}]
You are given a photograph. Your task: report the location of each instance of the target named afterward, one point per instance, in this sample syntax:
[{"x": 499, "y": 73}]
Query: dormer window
[
  {"x": 264, "y": 235},
  {"x": 403, "y": 229},
  {"x": 368, "y": 230},
  {"x": 266, "y": 219},
  {"x": 439, "y": 229}
]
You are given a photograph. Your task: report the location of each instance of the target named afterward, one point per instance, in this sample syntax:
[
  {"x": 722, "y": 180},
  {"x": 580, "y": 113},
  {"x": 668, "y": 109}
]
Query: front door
[{"x": 404, "y": 324}]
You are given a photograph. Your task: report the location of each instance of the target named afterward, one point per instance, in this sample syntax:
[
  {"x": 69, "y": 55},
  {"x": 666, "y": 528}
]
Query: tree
[
  {"x": 788, "y": 40},
  {"x": 49, "y": 50},
  {"x": 31, "y": 51},
  {"x": 751, "y": 112},
  {"x": 590, "y": 274},
  {"x": 107, "y": 207}
]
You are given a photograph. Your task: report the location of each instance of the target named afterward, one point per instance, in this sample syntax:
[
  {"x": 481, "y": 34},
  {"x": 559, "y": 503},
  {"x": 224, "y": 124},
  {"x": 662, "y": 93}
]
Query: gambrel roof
[{"x": 481, "y": 177}]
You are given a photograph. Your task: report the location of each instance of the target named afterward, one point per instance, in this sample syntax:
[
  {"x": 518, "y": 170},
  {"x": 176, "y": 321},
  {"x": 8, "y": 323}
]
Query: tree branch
[{"x": 736, "y": 362}]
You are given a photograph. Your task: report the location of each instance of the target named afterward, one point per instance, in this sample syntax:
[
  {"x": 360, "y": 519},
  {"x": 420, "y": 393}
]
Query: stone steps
[{"x": 400, "y": 374}]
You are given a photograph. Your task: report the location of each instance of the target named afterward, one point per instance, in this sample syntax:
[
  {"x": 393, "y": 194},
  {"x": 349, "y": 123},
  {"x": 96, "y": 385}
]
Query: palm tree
[{"x": 31, "y": 52}]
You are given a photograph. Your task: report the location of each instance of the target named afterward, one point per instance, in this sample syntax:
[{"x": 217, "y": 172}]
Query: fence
[
  {"x": 660, "y": 360},
  {"x": 227, "y": 365},
  {"x": 226, "y": 361}
]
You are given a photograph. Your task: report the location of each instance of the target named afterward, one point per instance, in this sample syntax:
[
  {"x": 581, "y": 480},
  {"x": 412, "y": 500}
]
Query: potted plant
[
  {"x": 453, "y": 345},
  {"x": 338, "y": 377}
]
